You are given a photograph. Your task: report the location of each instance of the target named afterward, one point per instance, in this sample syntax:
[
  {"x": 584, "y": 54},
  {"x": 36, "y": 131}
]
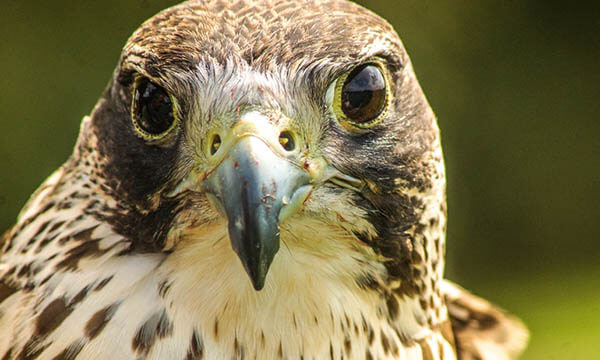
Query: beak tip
[
  {"x": 258, "y": 284},
  {"x": 256, "y": 251},
  {"x": 257, "y": 275}
]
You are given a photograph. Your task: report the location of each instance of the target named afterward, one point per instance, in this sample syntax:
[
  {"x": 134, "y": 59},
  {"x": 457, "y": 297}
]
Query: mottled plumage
[{"x": 135, "y": 249}]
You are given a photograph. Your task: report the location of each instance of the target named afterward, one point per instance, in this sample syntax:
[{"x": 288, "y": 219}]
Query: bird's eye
[
  {"x": 361, "y": 96},
  {"x": 152, "y": 110}
]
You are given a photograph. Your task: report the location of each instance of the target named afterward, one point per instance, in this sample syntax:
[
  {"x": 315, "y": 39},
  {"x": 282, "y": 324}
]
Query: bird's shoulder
[{"x": 481, "y": 329}]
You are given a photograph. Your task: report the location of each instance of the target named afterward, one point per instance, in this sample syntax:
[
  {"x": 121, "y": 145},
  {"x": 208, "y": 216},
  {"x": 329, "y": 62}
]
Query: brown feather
[{"x": 481, "y": 329}]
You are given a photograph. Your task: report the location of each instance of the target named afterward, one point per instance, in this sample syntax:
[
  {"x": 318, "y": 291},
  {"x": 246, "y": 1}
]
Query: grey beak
[{"x": 252, "y": 185}]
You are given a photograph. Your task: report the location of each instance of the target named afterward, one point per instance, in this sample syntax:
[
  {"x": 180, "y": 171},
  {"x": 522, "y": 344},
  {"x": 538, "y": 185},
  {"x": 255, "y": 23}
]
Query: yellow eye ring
[
  {"x": 362, "y": 95},
  {"x": 154, "y": 111}
]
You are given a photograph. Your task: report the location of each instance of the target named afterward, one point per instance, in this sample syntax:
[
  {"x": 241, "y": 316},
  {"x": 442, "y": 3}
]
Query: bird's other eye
[
  {"x": 361, "y": 96},
  {"x": 152, "y": 110}
]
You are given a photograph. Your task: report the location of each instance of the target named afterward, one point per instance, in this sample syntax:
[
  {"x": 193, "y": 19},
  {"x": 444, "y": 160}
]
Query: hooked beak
[
  {"x": 256, "y": 187},
  {"x": 256, "y": 183}
]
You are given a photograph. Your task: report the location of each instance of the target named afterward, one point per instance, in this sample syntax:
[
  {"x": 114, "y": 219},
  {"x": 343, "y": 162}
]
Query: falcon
[{"x": 259, "y": 180}]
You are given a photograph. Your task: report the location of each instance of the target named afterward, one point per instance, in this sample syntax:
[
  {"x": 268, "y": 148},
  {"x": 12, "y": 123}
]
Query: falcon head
[
  {"x": 258, "y": 178},
  {"x": 269, "y": 126}
]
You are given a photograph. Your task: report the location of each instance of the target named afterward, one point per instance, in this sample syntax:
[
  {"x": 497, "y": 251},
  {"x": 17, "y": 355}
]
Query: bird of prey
[{"x": 259, "y": 180}]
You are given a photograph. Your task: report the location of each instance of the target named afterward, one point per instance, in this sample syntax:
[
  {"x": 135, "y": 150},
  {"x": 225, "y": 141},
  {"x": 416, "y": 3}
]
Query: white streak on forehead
[
  {"x": 219, "y": 95},
  {"x": 221, "y": 90}
]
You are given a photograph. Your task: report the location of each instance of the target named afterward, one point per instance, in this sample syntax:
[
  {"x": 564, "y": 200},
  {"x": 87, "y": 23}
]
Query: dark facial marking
[
  {"x": 147, "y": 232},
  {"x": 134, "y": 169}
]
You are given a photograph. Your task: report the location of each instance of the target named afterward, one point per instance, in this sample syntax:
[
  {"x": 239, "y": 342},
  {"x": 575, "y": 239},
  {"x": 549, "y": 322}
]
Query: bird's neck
[{"x": 317, "y": 300}]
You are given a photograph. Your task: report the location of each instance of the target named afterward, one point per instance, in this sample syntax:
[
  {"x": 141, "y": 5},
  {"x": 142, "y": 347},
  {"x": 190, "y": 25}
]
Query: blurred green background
[{"x": 515, "y": 85}]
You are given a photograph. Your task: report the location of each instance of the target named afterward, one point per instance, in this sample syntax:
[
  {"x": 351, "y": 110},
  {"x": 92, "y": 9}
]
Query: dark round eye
[
  {"x": 363, "y": 94},
  {"x": 152, "y": 110}
]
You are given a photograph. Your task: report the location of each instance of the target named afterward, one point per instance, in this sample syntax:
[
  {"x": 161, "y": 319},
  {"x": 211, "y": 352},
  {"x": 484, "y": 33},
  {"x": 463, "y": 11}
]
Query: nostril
[
  {"x": 215, "y": 144},
  {"x": 287, "y": 140}
]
